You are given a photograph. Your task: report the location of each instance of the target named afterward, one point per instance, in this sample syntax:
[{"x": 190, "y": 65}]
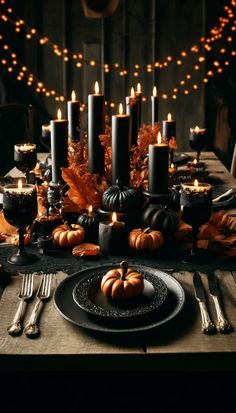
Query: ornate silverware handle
[
  {"x": 207, "y": 326},
  {"x": 31, "y": 329},
  {"x": 16, "y": 327},
  {"x": 222, "y": 325}
]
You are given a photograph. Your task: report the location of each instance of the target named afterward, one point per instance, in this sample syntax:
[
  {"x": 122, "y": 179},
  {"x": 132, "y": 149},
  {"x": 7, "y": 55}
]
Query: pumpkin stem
[
  {"x": 68, "y": 224},
  {"x": 147, "y": 230},
  {"x": 124, "y": 267},
  {"x": 119, "y": 184}
]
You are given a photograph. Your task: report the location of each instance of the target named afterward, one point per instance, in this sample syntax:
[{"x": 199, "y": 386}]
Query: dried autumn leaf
[{"x": 86, "y": 250}]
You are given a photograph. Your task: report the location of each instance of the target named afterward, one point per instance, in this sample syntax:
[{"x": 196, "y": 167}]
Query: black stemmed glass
[
  {"x": 25, "y": 157},
  {"x": 20, "y": 210},
  {"x": 196, "y": 207},
  {"x": 198, "y": 140}
]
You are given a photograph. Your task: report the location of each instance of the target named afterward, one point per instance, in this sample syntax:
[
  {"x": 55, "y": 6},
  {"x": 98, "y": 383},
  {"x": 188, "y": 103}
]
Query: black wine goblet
[
  {"x": 198, "y": 140},
  {"x": 196, "y": 207},
  {"x": 25, "y": 157},
  {"x": 20, "y": 210}
]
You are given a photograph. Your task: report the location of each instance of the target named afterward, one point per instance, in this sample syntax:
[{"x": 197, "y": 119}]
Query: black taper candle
[
  {"x": 169, "y": 128},
  {"x": 158, "y": 167},
  {"x": 73, "y": 114},
  {"x": 59, "y": 146},
  {"x": 132, "y": 110},
  {"x": 121, "y": 134},
  {"x": 154, "y": 99},
  {"x": 96, "y": 127},
  {"x": 139, "y": 97}
]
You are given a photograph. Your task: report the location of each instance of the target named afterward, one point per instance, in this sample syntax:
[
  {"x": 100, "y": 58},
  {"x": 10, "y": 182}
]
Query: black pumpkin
[
  {"x": 120, "y": 198},
  {"x": 90, "y": 222},
  {"x": 175, "y": 199},
  {"x": 162, "y": 219}
]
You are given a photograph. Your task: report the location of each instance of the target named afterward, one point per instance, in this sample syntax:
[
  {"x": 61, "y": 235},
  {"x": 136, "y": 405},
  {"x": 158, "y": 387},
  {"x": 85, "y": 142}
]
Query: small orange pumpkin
[
  {"x": 145, "y": 239},
  {"x": 68, "y": 235},
  {"x": 122, "y": 283}
]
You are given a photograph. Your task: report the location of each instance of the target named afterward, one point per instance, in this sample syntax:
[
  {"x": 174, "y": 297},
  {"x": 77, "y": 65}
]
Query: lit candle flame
[
  {"x": 73, "y": 96},
  {"x": 96, "y": 88},
  {"x": 159, "y": 138},
  {"x": 20, "y": 186},
  {"x": 132, "y": 94},
  {"x": 195, "y": 161},
  {"x": 59, "y": 114},
  {"x": 196, "y": 183},
  {"x": 197, "y": 129},
  {"x": 139, "y": 89},
  {"x": 90, "y": 209},
  {"x": 172, "y": 166},
  {"x": 114, "y": 217},
  {"x": 169, "y": 117},
  {"x": 120, "y": 109},
  {"x": 154, "y": 91}
]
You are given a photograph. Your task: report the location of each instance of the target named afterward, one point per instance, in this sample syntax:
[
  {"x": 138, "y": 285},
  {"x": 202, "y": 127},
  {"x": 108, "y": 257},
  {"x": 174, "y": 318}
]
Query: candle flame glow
[
  {"x": 195, "y": 161},
  {"x": 196, "y": 183},
  {"x": 159, "y": 138},
  {"x": 172, "y": 166},
  {"x": 169, "y": 117},
  {"x": 20, "y": 186},
  {"x": 73, "y": 96},
  {"x": 197, "y": 129},
  {"x": 132, "y": 94},
  {"x": 154, "y": 92},
  {"x": 90, "y": 209},
  {"x": 139, "y": 89},
  {"x": 114, "y": 217},
  {"x": 120, "y": 109},
  {"x": 96, "y": 88},
  {"x": 59, "y": 114}
]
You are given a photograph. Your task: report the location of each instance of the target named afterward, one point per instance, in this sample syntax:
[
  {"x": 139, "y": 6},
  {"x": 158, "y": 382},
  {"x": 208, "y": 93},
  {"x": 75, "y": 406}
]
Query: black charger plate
[{"x": 69, "y": 310}]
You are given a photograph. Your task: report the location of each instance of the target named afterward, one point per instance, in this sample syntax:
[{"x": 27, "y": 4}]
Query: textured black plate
[
  {"x": 69, "y": 310},
  {"x": 88, "y": 295}
]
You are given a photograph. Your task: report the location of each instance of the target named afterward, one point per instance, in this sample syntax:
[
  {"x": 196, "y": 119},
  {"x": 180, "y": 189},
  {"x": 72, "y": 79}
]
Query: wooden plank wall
[{"x": 139, "y": 32}]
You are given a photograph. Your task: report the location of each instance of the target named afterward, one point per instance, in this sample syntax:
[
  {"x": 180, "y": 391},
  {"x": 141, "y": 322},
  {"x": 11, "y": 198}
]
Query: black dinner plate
[
  {"x": 88, "y": 295},
  {"x": 66, "y": 306}
]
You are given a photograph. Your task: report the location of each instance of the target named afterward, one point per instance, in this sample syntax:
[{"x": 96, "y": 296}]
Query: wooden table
[{"x": 179, "y": 345}]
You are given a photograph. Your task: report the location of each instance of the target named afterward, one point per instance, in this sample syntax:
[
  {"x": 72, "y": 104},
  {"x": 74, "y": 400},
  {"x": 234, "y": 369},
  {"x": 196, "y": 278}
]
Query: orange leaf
[{"x": 77, "y": 191}]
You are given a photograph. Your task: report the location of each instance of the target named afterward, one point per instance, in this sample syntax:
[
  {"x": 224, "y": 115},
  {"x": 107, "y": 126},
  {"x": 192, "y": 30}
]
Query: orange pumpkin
[
  {"x": 145, "y": 239},
  {"x": 122, "y": 283},
  {"x": 68, "y": 235}
]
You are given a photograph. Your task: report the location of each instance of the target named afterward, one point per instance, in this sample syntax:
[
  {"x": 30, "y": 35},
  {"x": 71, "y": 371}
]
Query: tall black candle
[
  {"x": 96, "y": 127},
  {"x": 139, "y": 96},
  {"x": 158, "y": 167},
  {"x": 132, "y": 109},
  {"x": 59, "y": 146},
  {"x": 154, "y": 99},
  {"x": 73, "y": 113},
  {"x": 169, "y": 128},
  {"x": 121, "y": 133}
]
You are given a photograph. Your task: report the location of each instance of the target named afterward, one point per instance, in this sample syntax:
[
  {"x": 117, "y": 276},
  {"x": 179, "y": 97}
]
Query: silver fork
[
  {"x": 31, "y": 329},
  {"x": 25, "y": 294}
]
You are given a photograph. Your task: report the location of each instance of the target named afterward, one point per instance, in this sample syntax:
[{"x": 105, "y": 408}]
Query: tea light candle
[
  {"x": 89, "y": 221},
  {"x": 25, "y": 155},
  {"x": 73, "y": 111},
  {"x": 121, "y": 129},
  {"x": 154, "y": 100},
  {"x": 169, "y": 128},
  {"x": 96, "y": 127},
  {"x": 112, "y": 236},
  {"x": 59, "y": 146},
  {"x": 196, "y": 193},
  {"x": 158, "y": 167},
  {"x": 139, "y": 96},
  {"x": 197, "y": 131},
  {"x": 195, "y": 165},
  {"x": 132, "y": 110}
]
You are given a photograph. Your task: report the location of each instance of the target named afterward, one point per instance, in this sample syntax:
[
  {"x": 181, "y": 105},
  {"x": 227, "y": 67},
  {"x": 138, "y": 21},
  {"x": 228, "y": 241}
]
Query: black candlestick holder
[{"x": 169, "y": 199}]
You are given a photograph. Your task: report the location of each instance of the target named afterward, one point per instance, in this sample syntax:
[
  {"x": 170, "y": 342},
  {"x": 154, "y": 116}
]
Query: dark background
[{"x": 138, "y": 32}]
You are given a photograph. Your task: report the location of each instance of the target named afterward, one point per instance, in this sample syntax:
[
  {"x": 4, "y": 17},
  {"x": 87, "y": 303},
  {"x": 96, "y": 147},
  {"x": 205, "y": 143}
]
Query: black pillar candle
[
  {"x": 158, "y": 167},
  {"x": 169, "y": 128},
  {"x": 154, "y": 99},
  {"x": 132, "y": 109},
  {"x": 139, "y": 96},
  {"x": 96, "y": 127},
  {"x": 59, "y": 146},
  {"x": 73, "y": 114},
  {"x": 112, "y": 237},
  {"x": 121, "y": 128}
]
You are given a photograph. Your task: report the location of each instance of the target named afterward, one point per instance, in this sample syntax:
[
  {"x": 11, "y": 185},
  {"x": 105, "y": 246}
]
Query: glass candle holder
[
  {"x": 25, "y": 157},
  {"x": 198, "y": 140}
]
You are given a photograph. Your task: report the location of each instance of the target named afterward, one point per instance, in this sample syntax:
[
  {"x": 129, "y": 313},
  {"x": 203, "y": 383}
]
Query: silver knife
[
  {"x": 222, "y": 325},
  {"x": 207, "y": 326}
]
